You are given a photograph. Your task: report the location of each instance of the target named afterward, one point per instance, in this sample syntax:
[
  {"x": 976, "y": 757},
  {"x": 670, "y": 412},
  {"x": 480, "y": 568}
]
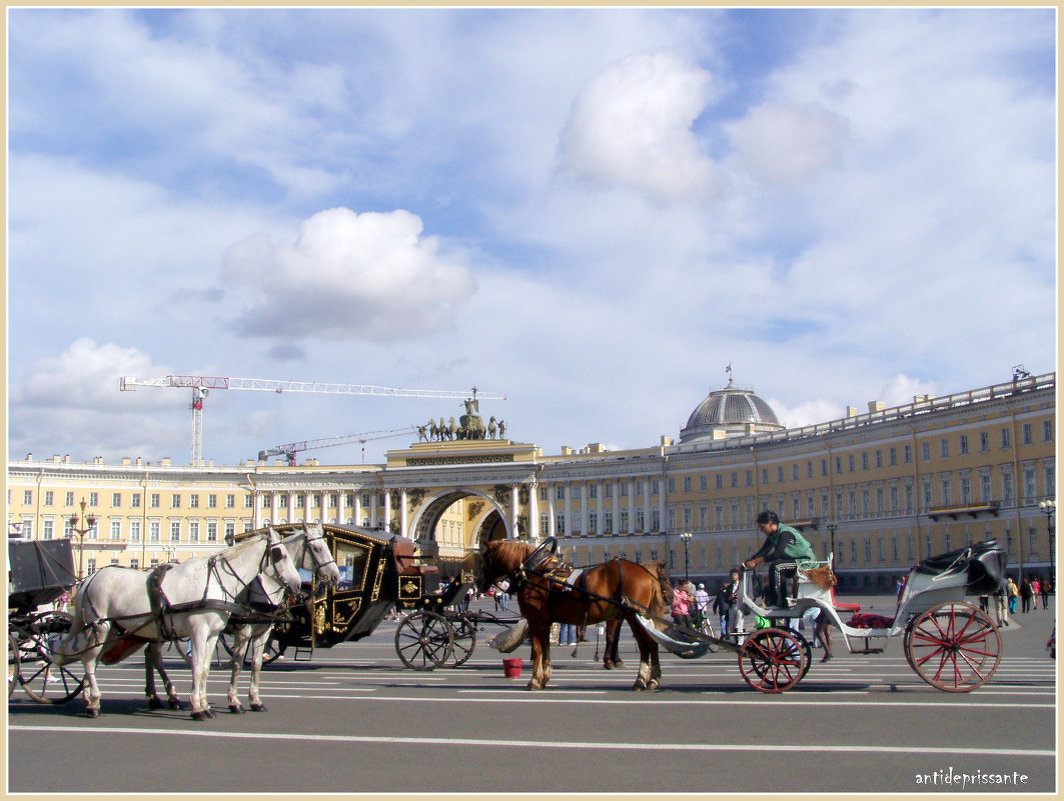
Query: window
[
  {"x": 559, "y": 492},
  {"x": 559, "y": 523},
  {"x": 864, "y": 460},
  {"x": 116, "y": 529},
  {"x": 808, "y": 469},
  {"x": 153, "y": 531},
  {"x": 249, "y": 502},
  {"x": 702, "y": 484},
  {"x": 794, "y": 472},
  {"x": 893, "y": 456},
  {"x": 300, "y": 500},
  {"x": 27, "y": 497},
  {"x": 1027, "y": 433},
  {"x": 984, "y": 441},
  {"x": 1006, "y": 440},
  {"x": 315, "y": 500},
  {"x": 719, "y": 482},
  {"x": 175, "y": 531},
  {"x": 334, "y": 500},
  {"x": 966, "y": 490},
  {"x": 48, "y": 529},
  {"x": 850, "y": 459},
  {"x": 175, "y": 501},
  {"x": 134, "y": 531},
  {"x": 907, "y": 452},
  {"x": 943, "y": 445},
  {"x": 879, "y": 458},
  {"x": 154, "y": 501},
  {"x": 963, "y": 445},
  {"x": 1047, "y": 431},
  {"x": 607, "y": 488},
  {"x": 687, "y": 484},
  {"x": 592, "y": 522},
  {"x": 779, "y": 475},
  {"x": 734, "y": 479},
  {"x": 49, "y": 498},
  {"x": 212, "y": 531},
  {"x": 925, "y": 451},
  {"x": 70, "y": 499},
  {"x": 134, "y": 563},
  {"x": 1006, "y": 488},
  {"x": 193, "y": 531},
  {"x": 94, "y": 499},
  {"x": 193, "y": 501},
  {"x": 134, "y": 500},
  {"x": 987, "y": 493},
  {"x": 947, "y": 492},
  {"x": 640, "y": 520},
  {"x": 212, "y": 501}
]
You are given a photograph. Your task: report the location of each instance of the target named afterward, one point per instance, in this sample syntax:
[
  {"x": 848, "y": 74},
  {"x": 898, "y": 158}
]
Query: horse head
[
  {"x": 499, "y": 559},
  {"x": 317, "y": 548},
  {"x": 279, "y": 566},
  {"x": 667, "y": 592}
]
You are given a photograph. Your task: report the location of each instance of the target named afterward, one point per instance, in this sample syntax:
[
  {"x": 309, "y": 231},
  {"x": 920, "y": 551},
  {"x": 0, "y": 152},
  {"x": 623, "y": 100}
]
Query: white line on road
[{"x": 600, "y": 746}]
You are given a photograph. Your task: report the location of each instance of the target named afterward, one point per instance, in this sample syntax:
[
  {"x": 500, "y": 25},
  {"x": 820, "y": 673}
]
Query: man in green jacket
[{"x": 785, "y": 550}]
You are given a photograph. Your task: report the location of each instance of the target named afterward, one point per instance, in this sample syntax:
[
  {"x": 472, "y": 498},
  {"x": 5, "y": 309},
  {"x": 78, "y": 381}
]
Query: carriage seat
[{"x": 936, "y": 565}]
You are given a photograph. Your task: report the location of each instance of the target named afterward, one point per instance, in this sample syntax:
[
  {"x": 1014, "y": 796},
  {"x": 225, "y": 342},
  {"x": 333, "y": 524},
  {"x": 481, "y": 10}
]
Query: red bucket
[{"x": 512, "y": 668}]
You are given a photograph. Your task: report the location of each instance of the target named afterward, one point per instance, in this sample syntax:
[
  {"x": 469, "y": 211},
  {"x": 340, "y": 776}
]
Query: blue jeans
[{"x": 567, "y": 634}]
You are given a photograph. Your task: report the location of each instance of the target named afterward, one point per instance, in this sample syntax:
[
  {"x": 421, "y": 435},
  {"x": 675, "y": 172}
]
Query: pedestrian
[
  {"x": 681, "y": 606},
  {"x": 822, "y": 634},
  {"x": 899, "y": 585},
  {"x": 701, "y": 604},
  {"x": 1025, "y": 594},
  {"x": 1014, "y": 595},
  {"x": 725, "y": 600},
  {"x": 984, "y": 602},
  {"x": 1001, "y": 604},
  {"x": 567, "y": 634},
  {"x": 502, "y": 595},
  {"x": 1045, "y": 588},
  {"x": 1036, "y": 590}
]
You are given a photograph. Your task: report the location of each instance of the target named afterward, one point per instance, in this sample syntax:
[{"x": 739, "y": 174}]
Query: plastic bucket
[{"x": 512, "y": 668}]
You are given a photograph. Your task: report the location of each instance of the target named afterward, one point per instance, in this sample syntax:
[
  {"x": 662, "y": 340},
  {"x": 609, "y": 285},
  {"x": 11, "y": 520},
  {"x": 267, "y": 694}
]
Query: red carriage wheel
[
  {"x": 954, "y": 647},
  {"x": 772, "y": 660}
]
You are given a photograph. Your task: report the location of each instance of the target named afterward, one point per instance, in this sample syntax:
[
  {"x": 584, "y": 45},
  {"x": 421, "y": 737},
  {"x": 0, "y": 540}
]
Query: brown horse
[{"x": 613, "y": 591}]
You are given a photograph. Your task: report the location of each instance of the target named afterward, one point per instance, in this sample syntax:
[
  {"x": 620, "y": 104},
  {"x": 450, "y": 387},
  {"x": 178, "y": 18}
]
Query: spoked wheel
[
  {"x": 275, "y": 646},
  {"x": 954, "y": 647},
  {"x": 707, "y": 628},
  {"x": 12, "y": 663},
  {"x": 423, "y": 640},
  {"x": 773, "y": 660},
  {"x": 464, "y": 640},
  {"x": 807, "y": 654},
  {"x": 43, "y": 680}
]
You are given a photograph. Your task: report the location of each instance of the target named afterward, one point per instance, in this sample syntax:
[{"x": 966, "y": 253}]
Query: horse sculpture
[
  {"x": 119, "y": 609},
  {"x": 613, "y": 591},
  {"x": 309, "y": 551}
]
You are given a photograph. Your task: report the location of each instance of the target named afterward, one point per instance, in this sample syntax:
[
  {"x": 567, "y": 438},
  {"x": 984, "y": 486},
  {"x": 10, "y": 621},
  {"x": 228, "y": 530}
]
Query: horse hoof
[
  {"x": 258, "y": 708},
  {"x": 653, "y": 684},
  {"x": 618, "y": 664},
  {"x": 607, "y": 666},
  {"x": 92, "y": 713},
  {"x": 155, "y": 703},
  {"x": 174, "y": 703},
  {"x": 200, "y": 715},
  {"x": 236, "y": 709}
]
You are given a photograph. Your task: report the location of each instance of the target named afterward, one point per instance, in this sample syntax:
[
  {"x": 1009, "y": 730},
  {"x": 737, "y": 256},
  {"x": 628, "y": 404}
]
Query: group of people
[{"x": 1010, "y": 597}]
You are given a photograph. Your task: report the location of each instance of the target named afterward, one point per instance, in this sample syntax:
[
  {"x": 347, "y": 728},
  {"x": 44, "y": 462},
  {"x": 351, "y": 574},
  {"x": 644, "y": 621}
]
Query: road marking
[{"x": 553, "y": 744}]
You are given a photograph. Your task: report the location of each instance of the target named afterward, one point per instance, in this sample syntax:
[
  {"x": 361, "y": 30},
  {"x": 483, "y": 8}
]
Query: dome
[{"x": 729, "y": 412}]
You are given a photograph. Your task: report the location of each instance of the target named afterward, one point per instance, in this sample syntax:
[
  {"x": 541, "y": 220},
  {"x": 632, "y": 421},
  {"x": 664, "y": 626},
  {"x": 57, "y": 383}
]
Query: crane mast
[{"x": 201, "y": 385}]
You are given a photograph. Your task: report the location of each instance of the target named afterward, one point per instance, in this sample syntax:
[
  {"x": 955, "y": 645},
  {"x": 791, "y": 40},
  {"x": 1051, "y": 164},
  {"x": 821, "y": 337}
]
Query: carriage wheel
[
  {"x": 954, "y": 647},
  {"x": 464, "y": 640},
  {"x": 423, "y": 640},
  {"x": 773, "y": 660},
  {"x": 12, "y": 664},
  {"x": 43, "y": 680},
  {"x": 709, "y": 630}
]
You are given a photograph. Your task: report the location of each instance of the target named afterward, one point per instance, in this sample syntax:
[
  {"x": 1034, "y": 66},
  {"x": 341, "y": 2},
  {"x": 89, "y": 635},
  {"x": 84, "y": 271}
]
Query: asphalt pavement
[{"x": 353, "y": 719}]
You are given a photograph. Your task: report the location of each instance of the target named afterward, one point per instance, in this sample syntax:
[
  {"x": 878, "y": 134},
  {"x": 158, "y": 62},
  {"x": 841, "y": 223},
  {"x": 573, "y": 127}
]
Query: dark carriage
[
  {"x": 379, "y": 572},
  {"x": 39, "y": 573}
]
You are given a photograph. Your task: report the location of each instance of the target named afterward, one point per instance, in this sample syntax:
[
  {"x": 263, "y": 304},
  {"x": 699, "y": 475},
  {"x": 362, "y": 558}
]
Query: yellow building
[{"x": 880, "y": 489}]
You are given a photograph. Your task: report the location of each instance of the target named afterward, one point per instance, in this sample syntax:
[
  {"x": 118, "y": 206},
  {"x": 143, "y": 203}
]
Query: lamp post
[
  {"x": 686, "y": 537},
  {"x": 171, "y": 552},
  {"x": 832, "y": 528},
  {"x": 88, "y": 523},
  {"x": 1048, "y": 507}
]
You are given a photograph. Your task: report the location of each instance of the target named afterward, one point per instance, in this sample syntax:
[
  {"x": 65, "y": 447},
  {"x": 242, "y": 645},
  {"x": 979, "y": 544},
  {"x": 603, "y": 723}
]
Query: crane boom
[
  {"x": 202, "y": 384},
  {"x": 290, "y": 450}
]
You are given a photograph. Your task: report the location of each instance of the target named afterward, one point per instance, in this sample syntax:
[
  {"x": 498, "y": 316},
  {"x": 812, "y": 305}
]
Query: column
[
  {"x": 513, "y": 509},
  {"x": 357, "y": 508},
  {"x": 598, "y": 495},
  {"x": 402, "y": 512},
  {"x": 533, "y": 511},
  {"x": 387, "y": 510},
  {"x": 616, "y": 508},
  {"x": 631, "y": 506},
  {"x": 568, "y": 509},
  {"x": 551, "y": 532}
]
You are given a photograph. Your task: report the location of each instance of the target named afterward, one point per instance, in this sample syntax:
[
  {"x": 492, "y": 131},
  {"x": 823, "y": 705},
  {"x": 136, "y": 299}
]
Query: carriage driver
[{"x": 785, "y": 550}]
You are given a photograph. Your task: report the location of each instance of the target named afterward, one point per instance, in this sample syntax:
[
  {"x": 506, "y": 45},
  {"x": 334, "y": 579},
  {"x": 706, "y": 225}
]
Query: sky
[{"x": 592, "y": 212}]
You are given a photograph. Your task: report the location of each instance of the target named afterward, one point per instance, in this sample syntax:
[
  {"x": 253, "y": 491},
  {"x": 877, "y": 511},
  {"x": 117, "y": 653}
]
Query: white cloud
[
  {"x": 631, "y": 125},
  {"x": 346, "y": 275},
  {"x": 787, "y": 143}
]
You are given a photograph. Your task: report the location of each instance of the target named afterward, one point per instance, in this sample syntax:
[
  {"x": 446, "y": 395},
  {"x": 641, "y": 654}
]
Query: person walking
[
  {"x": 701, "y": 604},
  {"x": 1044, "y": 587},
  {"x": 822, "y": 634},
  {"x": 681, "y": 606},
  {"x": 1001, "y": 604},
  {"x": 1036, "y": 590},
  {"x": 1014, "y": 595},
  {"x": 1025, "y": 594},
  {"x": 725, "y": 599}
]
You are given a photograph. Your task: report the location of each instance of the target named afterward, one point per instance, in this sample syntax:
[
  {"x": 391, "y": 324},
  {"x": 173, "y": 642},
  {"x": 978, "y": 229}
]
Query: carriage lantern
[{"x": 89, "y": 523}]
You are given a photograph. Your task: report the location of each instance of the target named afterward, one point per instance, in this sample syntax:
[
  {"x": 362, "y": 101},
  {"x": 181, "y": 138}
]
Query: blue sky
[{"x": 589, "y": 211}]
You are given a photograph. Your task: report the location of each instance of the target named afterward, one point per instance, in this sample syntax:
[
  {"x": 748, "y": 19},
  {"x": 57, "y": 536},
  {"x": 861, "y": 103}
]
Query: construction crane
[
  {"x": 290, "y": 450},
  {"x": 201, "y": 385}
]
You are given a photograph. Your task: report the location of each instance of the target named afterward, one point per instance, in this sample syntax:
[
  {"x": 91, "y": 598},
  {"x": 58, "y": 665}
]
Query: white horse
[
  {"x": 117, "y": 609},
  {"x": 310, "y": 551}
]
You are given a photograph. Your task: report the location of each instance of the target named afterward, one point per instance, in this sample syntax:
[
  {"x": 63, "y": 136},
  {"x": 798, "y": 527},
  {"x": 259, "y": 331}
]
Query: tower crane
[
  {"x": 290, "y": 450},
  {"x": 201, "y": 385}
]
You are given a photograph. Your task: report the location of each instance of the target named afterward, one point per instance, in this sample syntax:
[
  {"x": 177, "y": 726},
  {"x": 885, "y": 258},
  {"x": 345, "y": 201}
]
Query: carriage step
[{"x": 303, "y": 654}]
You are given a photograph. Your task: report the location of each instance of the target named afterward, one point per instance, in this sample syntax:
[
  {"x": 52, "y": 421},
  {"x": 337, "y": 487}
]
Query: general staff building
[{"x": 881, "y": 489}]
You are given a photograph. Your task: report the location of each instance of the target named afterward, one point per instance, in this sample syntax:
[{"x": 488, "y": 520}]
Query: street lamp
[
  {"x": 686, "y": 537},
  {"x": 1048, "y": 507},
  {"x": 832, "y": 528},
  {"x": 88, "y": 524}
]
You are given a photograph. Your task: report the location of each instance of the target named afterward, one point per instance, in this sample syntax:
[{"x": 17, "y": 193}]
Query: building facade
[{"x": 879, "y": 490}]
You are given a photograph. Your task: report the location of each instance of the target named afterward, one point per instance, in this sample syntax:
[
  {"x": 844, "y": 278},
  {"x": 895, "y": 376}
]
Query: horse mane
[{"x": 509, "y": 553}]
